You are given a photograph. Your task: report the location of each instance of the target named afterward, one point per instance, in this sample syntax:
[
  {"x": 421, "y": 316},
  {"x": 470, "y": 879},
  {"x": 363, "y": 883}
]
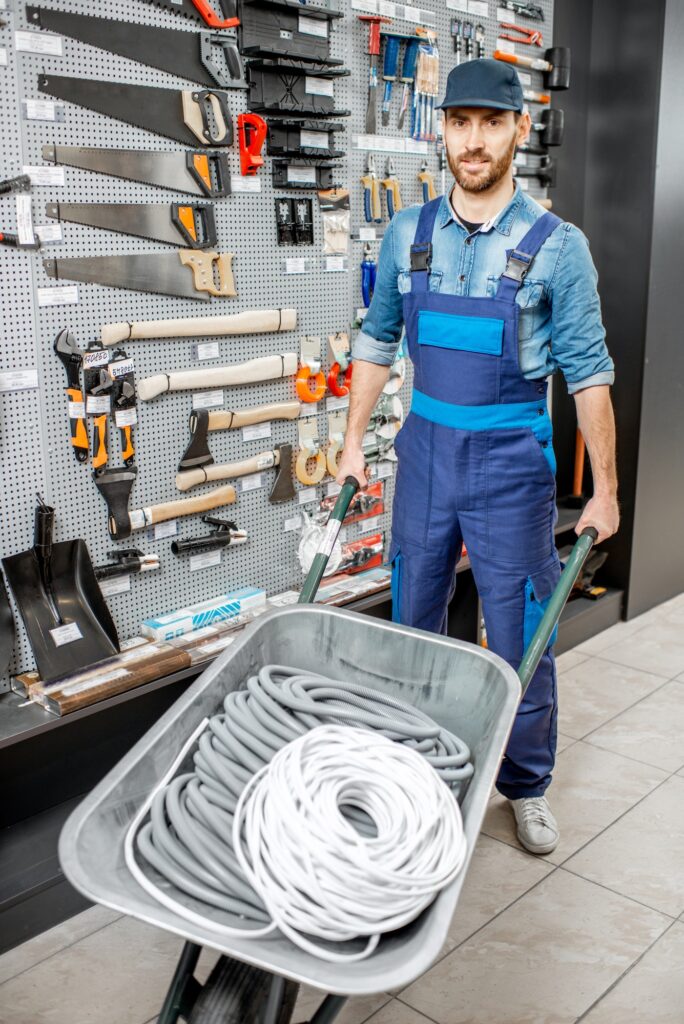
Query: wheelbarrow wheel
[{"x": 236, "y": 993}]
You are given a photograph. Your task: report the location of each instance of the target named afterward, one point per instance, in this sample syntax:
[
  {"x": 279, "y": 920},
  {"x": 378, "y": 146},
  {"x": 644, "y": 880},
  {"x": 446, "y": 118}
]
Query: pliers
[
  {"x": 427, "y": 181},
  {"x": 368, "y": 274},
  {"x": 520, "y": 34},
  {"x": 372, "y": 210},
  {"x": 392, "y": 190}
]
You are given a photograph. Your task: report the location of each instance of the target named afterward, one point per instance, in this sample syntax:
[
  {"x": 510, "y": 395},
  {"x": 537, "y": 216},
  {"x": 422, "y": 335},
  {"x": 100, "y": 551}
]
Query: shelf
[{"x": 583, "y": 618}]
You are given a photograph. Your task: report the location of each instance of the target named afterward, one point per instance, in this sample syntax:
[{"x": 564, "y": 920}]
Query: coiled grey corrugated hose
[{"x": 188, "y": 837}]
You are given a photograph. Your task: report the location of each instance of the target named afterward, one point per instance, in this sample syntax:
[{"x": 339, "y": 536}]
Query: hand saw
[
  {"x": 196, "y": 172},
  {"x": 187, "y": 274},
  {"x": 181, "y": 224},
  {"x": 203, "y": 11},
  {"x": 177, "y": 113},
  {"x": 191, "y": 55}
]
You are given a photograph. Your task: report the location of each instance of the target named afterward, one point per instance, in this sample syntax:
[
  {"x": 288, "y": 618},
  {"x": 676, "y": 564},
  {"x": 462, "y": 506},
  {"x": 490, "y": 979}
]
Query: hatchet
[
  {"x": 280, "y": 458},
  {"x": 202, "y": 421},
  {"x": 115, "y": 486}
]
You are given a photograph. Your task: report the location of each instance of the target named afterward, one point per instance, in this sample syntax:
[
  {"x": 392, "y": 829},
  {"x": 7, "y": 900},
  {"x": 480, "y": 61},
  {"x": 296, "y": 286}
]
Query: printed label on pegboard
[
  {"x": 24, "y": 220},
  {"x": 207, "y": 350},
  {"x": 314, "y": 140},
  {"x": 76, "y": 410},
  {"x": 49, "y": 234},
  {"x": 312, "y": 26},
  {"x": 245, "y": 183},
  {"x": 66, "y": 296},
  {"x": 46, "y": 177},
  {"x": 118, "y": 585},
  {"x": 300, "y": 173},
  {"x": 207, "y": 399},
  {"x": 333, "y": 264},
  {"x": 256, "y": 432},
  {"x": 307, "y": 495},
  {"x": 251, "y": 482},
  {"x": 333, "y": 404},
  {"x": 204, "y": 560},
  {"x": 125, "y": 417},
  {"x": 167, "y": 529},
  {"x": 292, "y": 524},
  {"x": 314, "y": 86},
  {"x": 96, "y": 405},
  {"x": 3, "y": 57},
  {"x": 37, "y": 42},
  {"x": 18, "y": 380}
]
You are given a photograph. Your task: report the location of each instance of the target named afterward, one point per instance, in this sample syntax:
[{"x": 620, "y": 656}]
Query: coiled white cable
[{"x": 316, "y": 874}]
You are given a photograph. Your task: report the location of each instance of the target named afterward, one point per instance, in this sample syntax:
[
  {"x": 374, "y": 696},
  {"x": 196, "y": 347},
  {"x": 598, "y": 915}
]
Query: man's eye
[{"x": 494, "y": 123}]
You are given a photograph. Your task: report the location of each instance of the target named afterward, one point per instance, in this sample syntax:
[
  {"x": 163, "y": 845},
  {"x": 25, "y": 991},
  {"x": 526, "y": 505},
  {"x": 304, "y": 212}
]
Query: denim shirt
[{"x": 560, "y": 325}]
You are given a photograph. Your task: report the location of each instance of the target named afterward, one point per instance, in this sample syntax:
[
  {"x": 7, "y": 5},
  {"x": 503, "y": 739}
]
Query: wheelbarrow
[{"x": 465, "y": 688}]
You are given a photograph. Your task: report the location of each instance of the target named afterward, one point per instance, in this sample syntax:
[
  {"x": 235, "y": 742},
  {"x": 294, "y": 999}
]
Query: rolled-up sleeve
[
  {"x": 379, "y": 339},
  {"x": 578, "y": 339}
]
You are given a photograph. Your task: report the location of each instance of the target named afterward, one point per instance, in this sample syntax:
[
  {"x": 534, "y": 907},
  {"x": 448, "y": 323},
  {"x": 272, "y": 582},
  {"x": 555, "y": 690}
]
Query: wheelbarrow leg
[
  {"x": 184, "y": 987},
  {"x": 328, "y": 1010},
  {"x": 275, "y": 1000}
]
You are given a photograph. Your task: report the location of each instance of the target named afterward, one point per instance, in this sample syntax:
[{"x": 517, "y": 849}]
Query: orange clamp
[
  {"x": 340, "y": 390},
  {"x": 251, "y": 134},
  {"x": 303, "y": 385}
]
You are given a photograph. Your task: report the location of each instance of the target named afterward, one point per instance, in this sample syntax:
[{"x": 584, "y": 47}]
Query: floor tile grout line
[
  {"x": 625, "y": 972},
  {"x": 632, "y": 760},
  {"x": 616, "y": 892},
  {"x": 622, "y": 712},
  {"x": 420, "y": 1012},
  {"x": 637, "y": 668},
  {"x": 378, "y": 1009},
  {"x": 61, "y": 949}
]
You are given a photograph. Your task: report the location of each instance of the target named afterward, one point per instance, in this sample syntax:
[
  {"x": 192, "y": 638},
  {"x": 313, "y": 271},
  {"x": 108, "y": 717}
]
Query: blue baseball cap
[{"x": 484, "y": 83}]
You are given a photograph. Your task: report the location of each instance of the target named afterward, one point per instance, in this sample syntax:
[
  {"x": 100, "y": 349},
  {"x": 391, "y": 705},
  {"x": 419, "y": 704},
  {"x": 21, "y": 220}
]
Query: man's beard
[{"x": 488, "y": 176}]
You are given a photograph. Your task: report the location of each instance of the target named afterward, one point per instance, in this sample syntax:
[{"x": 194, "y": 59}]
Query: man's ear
[{"x": 524, "y": 127}]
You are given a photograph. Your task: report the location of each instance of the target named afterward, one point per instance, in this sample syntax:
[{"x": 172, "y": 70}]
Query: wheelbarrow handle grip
[
  {"x": 557, "y": 601},
  {"x": 332, "y": 529}
]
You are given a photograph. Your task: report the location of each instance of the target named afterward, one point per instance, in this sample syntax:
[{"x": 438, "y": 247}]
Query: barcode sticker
[
  {"x": 49, "y": 232},
  {"x": 295, "y": 265},
  {"x": 24, "y": 220},
  {"x": 291, "y": 524},
  {"x": 334, "y": 263}
]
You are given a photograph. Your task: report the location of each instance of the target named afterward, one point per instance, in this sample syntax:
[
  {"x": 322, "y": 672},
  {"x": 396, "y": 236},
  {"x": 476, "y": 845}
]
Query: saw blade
[
  {"x": 197, "y": 172},
  {"x": 160, "y": 273},
  {"x": 155, "y": 110},
  {"x": 190, "y": 224}
]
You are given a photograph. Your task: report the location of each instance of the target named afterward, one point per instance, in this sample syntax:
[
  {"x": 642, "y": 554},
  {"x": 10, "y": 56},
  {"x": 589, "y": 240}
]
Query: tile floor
[{"x": 594, "y": 932}]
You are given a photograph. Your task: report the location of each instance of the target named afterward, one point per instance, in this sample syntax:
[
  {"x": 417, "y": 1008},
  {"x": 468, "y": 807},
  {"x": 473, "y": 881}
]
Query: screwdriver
[{"x": 389, "y": 73}]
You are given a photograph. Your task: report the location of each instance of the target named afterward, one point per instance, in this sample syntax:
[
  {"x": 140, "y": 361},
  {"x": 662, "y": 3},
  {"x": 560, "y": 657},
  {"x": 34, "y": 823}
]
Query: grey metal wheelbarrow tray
[{"x": 464, "y": 687}]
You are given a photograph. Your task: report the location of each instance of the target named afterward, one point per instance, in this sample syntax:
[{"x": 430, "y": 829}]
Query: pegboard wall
[{"x": 36, "y": 453}]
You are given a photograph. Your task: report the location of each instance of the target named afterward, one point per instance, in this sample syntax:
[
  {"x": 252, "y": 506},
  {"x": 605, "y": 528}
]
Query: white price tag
[
  {"x": 120, "y": 367},
  {"x": 415, "y": 146},
  {"x": 387, "y": 8},
  {"x": 24, "y": 220},
  {"x": 207, "y": 399},
  {"x": 291, "y": 524},
  {"x": 412, "y": 14},
  {"x": 334, "y": 263},
  {"x": 480, "y": 8},
  {"x": 205, "y": 560},
  {"x": 335, "y": 403},
  {"x": 207, "y": 350},
  {"x": 314, "y": 140},
  {"x": 251, "y": 482},
  {"x": 96, "y": 405},
  {"x": 524, "y": 183},
  {"x": 40, "y": 110},
  {"x": 367, "y": 234},
  {"x": 295, "y": 265},
  {"x": 503, "y": 15},
  {"x": 333, "y": 489},
  {"x": 314, "y": 86},
  {"x": 67, "y": 296},
  {"x": 3, "y": 57},
  {"x": 66, "y": 634},
  {"x": 458, "y": 5},
  {"x": 245, "y": 183},
  {"x": 384, "y": 470},
  {"x": 18, "y": 380},
  {"x": 371, "y": 525},
  {"x": 37, "y": 42},
  {"x": 307, "y": 495},
  {"x": 167, "y": 529},
  {"x": 76, "y": 410},
  {"x": 46, "y": 176},
  {"x": 301, "y": 173},
  {"x": 312, "y": 26},
  {"x": 118, "y": 585},
  {"x": 126, "y": 417},
  {"x": 370, "y": 6},
  {"x": 256, "y": 432},
  {"x": 98, "y": 357},
  {"x": 49, "y": 232},
  {"x": 525, "y": 78}
]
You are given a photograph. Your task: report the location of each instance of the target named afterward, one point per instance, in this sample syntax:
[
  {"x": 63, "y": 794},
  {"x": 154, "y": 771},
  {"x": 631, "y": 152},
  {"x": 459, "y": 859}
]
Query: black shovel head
[
  {"x": 6, "y": 629},
  {"x": 79, "y": 601}
]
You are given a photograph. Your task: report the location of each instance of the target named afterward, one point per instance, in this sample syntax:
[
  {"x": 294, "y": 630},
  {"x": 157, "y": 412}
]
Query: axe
[
  {"x": 201, "y": 422},
  {"x": 264, "y": 368},
  {"x": 281, "y": 458},
  {"x": 115, "y": 486}
]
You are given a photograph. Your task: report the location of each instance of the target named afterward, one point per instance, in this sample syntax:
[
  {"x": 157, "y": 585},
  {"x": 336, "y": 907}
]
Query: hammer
[
  {"x": 556, "y": 66},
  {"x": 115, "y": 486},
  {"x": 280, "y": 458}
]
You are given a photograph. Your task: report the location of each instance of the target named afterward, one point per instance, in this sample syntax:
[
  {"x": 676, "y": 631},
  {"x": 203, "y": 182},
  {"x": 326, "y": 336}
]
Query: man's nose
[{"x": 474, "y": 138}]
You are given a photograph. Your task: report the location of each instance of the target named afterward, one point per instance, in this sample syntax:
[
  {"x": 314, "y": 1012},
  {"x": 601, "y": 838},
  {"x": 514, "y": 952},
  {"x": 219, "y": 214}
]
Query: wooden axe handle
[
  {"x": 252, "y": 321},
  {"x": 222, "y": 420},
  {"x": 265, "y": 368},
  {"x": 189, "y": 506},
  {"x": 192, "y": 477}
]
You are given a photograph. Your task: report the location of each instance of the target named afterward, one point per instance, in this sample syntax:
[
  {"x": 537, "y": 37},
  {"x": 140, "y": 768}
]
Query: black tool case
[
  {"x": 285, "y": 28},
  {"x": 295, "y": 87},
  {"x": 301, "y": 137}
]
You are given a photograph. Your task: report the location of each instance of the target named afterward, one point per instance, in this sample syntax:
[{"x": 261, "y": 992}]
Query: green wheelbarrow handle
[
  {"x": 332, "y": 529},
  {"x": 568, "y": 578}
]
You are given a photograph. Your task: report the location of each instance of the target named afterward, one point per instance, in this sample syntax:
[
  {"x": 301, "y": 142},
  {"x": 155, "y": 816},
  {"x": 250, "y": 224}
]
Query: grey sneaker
[{"x": 537, "y": 828}]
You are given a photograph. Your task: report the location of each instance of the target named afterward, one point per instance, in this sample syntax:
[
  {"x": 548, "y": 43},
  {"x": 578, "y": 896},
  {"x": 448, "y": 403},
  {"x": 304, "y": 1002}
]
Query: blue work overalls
[{"x": 476, "y": 464}]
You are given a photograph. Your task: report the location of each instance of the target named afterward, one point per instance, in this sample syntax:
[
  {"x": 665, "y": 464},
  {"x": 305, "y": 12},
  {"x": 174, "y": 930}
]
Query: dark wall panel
[{"x": 657, "y": 570}]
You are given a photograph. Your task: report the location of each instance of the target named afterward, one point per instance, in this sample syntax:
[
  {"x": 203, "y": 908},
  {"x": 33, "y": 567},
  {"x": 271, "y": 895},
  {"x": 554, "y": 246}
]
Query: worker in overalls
[{"x": 495, "y": 295}]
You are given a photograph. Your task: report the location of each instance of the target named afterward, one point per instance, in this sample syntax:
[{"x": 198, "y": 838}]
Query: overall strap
[
  {"x": 521, "y": 258},
  {"x": 421, "y": 249}
]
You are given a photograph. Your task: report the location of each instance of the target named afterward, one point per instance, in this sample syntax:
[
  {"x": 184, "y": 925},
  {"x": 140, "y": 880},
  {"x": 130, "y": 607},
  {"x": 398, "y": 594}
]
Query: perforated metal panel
[{"x": 36, "y": 455}]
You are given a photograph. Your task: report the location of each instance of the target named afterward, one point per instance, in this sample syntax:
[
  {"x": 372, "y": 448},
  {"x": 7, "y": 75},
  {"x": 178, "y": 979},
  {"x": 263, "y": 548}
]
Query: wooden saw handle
[
  {"x": 264, "y": 368},
  {"x": 189, "y": 506},
  {"x": 252, "y": 321},
  {"x": 222, "y": 420},
  {"x": 202, "y": 266},
  {"x": 192, "y": 477}
]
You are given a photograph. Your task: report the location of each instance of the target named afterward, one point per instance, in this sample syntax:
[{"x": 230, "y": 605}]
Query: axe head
[
  {"x": 197, "y": 453},
  {"x": 115, "y": 486},
  {"x": 283, "y": 487}
]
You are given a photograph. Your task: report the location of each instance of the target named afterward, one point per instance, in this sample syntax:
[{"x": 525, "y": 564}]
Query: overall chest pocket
[
  {"x": 528, "y": 298},
  {"x": 404, "y": 281}
]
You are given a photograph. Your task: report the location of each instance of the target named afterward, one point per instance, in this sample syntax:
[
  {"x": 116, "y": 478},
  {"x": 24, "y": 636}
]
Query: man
[{"x": 495, "y": 295}]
